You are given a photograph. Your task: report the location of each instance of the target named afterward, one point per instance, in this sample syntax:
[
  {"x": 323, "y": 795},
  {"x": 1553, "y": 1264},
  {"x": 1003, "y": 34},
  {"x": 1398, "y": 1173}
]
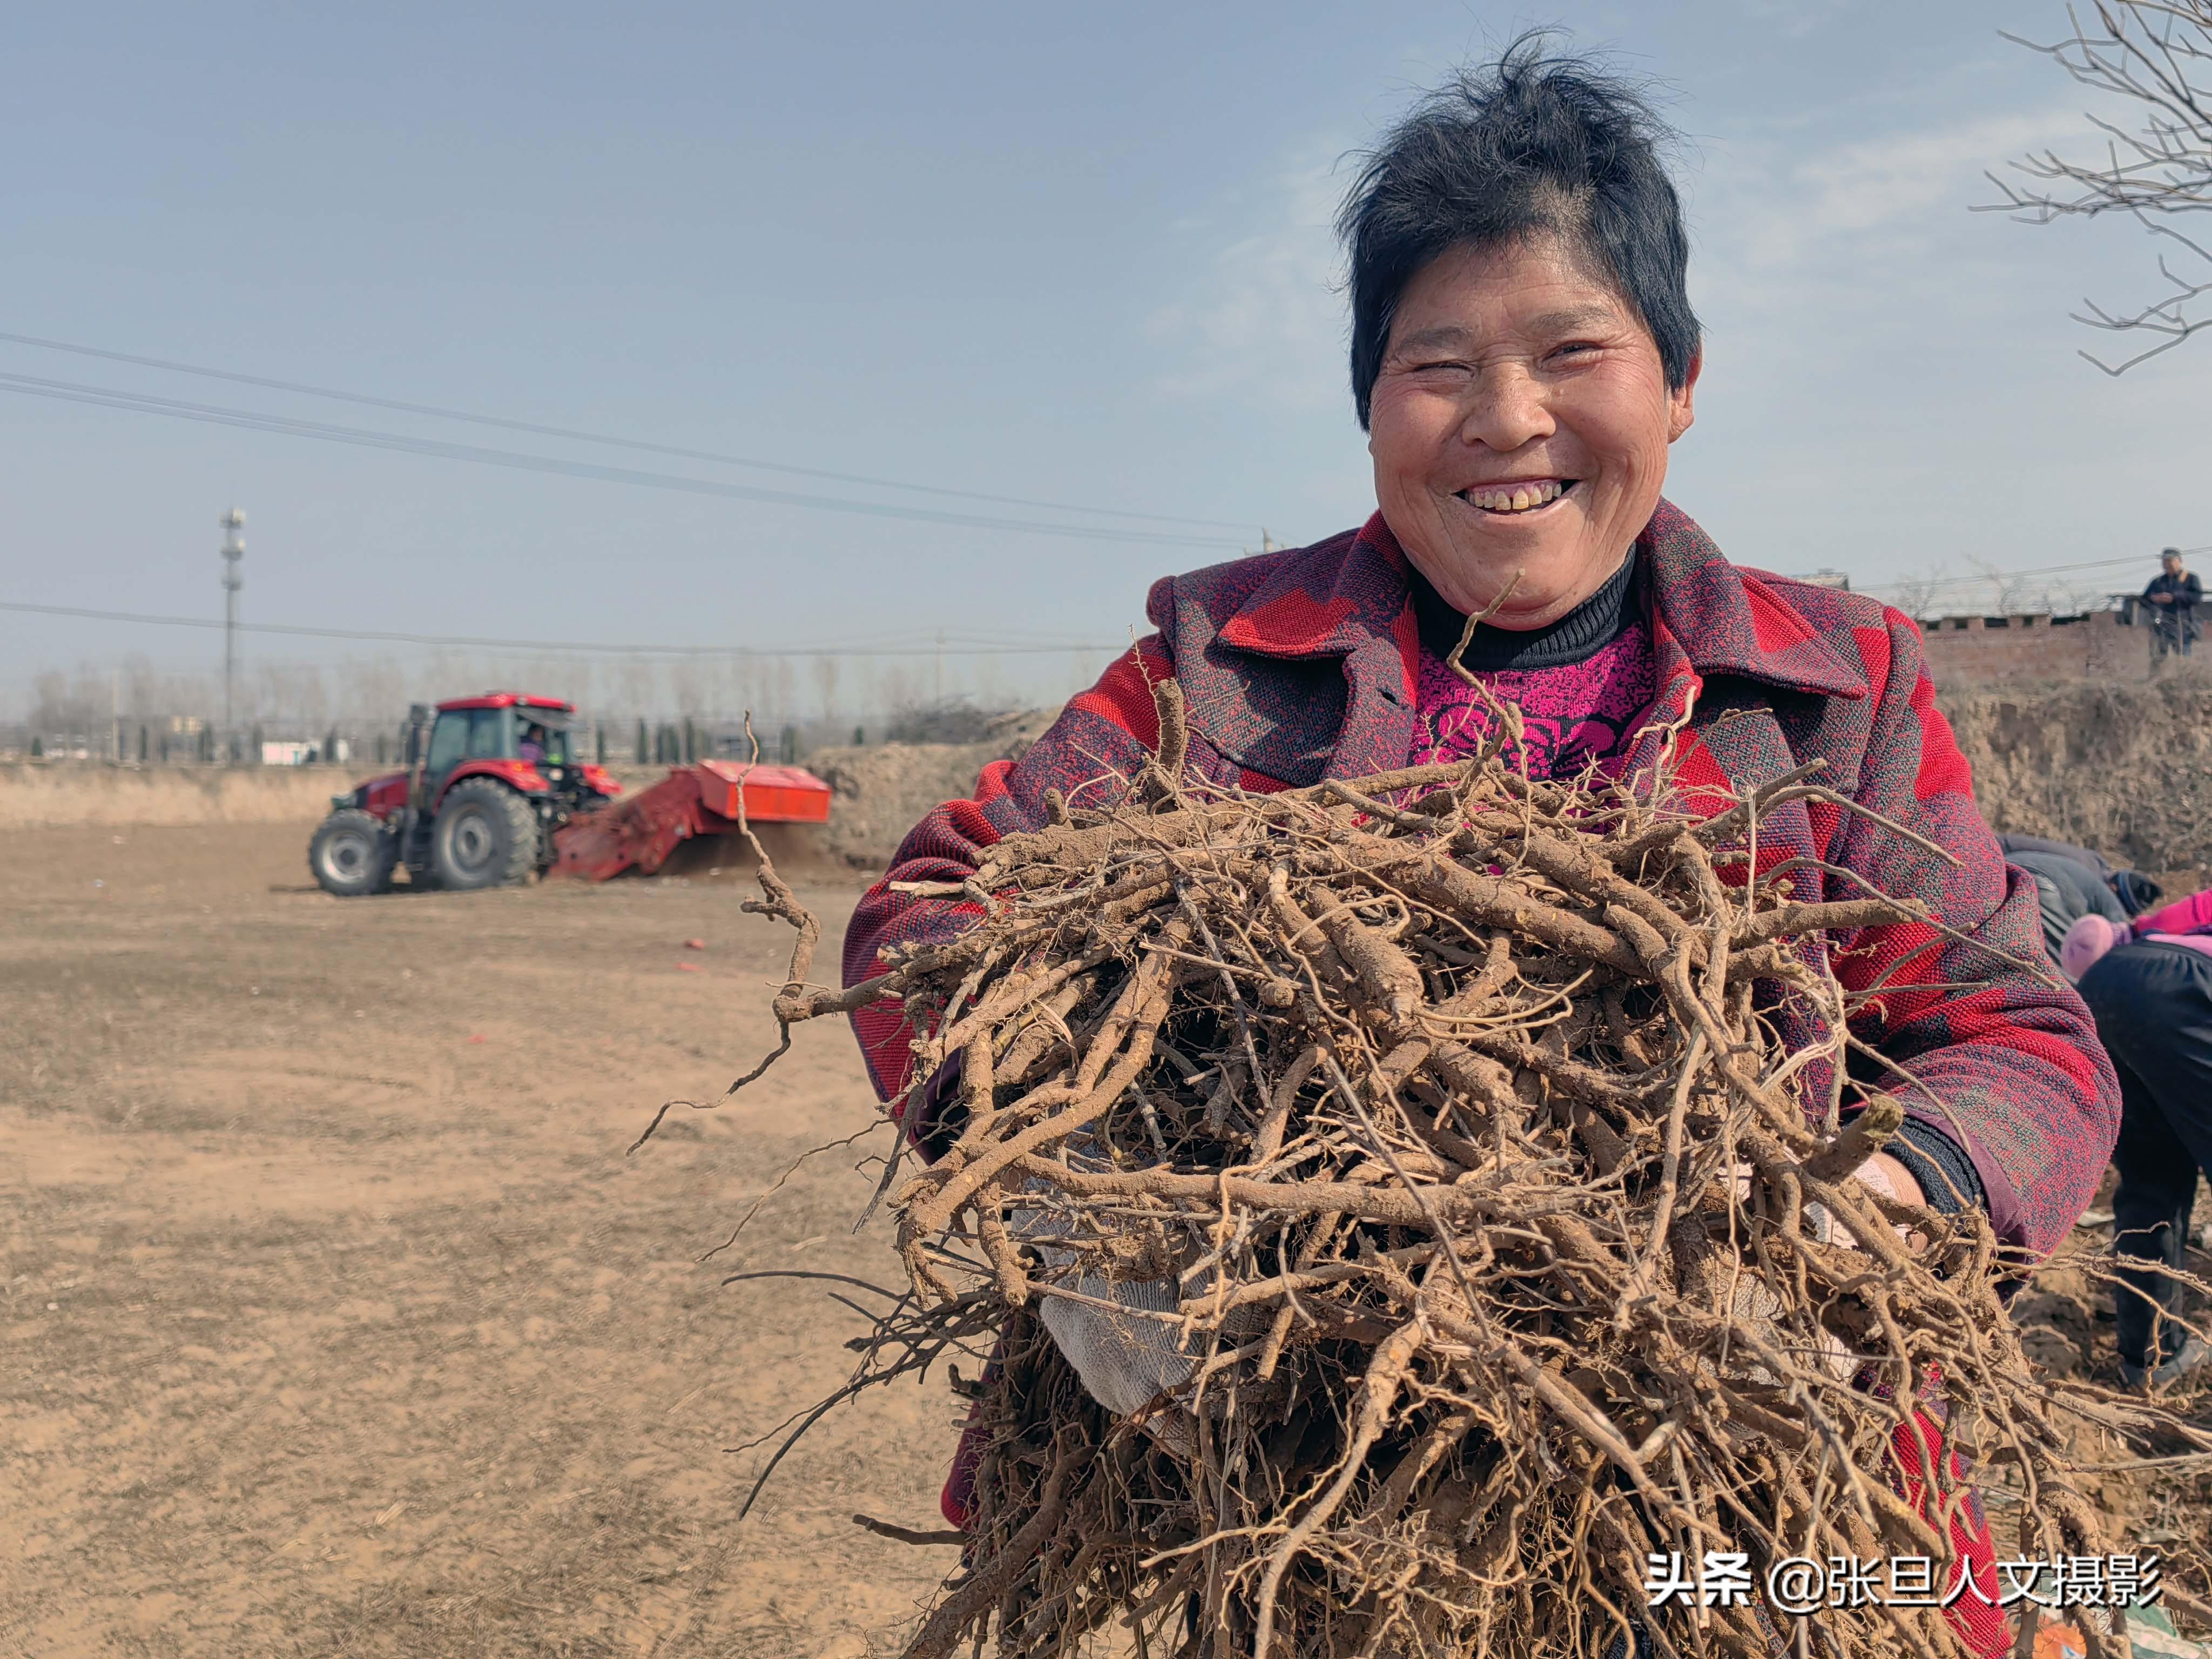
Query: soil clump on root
[{"x": 1414, "y": 1169}]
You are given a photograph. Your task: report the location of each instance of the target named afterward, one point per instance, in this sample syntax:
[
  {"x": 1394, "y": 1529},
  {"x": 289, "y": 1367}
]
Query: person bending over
[
  {"x": 2072, "y": 882},
  {"x": 2149, "y": 983}
]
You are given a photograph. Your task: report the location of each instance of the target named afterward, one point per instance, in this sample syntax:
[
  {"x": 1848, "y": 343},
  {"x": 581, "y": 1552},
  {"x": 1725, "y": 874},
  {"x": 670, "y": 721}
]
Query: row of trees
[
  {"x": 306, "y": 702},
  {"x": 185, "y": 741},
  {"x": 1984, "y": 589}
]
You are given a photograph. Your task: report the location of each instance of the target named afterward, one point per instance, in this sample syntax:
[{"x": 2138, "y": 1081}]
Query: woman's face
[{"x": 1520, "y": 424}]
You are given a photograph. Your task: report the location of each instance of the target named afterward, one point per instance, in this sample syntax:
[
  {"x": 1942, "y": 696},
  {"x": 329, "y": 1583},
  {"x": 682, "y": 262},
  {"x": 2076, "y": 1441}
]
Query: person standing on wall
[{"x": 2174, "y": 595}]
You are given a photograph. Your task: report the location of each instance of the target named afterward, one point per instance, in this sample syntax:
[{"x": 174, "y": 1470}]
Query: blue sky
[{"x": 1077, "y": 255}]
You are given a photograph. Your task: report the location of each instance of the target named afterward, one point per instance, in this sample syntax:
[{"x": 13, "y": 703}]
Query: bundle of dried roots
[{"x": 1425, "y": 1148}]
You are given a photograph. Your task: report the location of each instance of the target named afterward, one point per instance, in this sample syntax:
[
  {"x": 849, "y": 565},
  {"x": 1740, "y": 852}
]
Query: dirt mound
[
  {"x": 797, "y": 848},
  {"x": 882, "y": 791},
  {"x": 2126, "y": 769}
]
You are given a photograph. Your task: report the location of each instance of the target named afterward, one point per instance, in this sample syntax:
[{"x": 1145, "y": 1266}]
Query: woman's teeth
[{"x": 1517, "y": 498}]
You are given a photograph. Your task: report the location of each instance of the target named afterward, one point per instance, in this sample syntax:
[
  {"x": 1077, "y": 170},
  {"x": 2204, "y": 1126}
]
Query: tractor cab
[
  {"x": 485, "y": 781},
  {"x": 530, "y": 734}
]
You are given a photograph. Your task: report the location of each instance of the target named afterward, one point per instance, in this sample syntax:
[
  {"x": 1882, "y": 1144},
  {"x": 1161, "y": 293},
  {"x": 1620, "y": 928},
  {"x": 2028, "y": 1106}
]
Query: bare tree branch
[
  {"x": 2010, "y": 587},
  {"x": 1918, "y": 596},
  {"x": 2158, "y": 55}
]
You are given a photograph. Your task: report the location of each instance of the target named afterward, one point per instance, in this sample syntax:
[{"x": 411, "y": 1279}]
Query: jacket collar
[
  {"x": 1728, "y": 620},
  {"x": 1330, "y": 600},
  {"x": 1326, "y": 600}
]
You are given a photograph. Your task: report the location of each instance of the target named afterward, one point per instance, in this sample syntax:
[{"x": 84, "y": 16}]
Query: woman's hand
[{"x": 1886, "y": 1174}]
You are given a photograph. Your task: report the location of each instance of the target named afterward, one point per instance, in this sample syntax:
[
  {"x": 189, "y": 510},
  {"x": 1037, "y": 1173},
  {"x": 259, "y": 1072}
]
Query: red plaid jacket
[{"x": 1300, "y": 664}]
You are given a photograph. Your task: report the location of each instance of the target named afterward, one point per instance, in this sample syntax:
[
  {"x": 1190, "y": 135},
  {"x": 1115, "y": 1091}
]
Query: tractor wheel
[
  {"x": 352, "y": 854},
  {"x": 486, "y": 835}
]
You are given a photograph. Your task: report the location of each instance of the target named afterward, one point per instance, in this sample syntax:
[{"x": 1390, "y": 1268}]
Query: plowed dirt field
[
  {"x": 334, "y": 1318},
  {"x": 337, "y": 1319}
]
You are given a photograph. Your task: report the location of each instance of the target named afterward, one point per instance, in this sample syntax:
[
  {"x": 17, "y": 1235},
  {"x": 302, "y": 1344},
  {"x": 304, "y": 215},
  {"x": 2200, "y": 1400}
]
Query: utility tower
[{"x": 233, "y": 550}]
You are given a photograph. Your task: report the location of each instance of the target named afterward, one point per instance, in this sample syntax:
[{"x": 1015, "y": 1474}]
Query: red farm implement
[
  {"x": 691, "y": 800},
  {"x": 481, "y": 789},
  {"x": 494, "y": 789}
]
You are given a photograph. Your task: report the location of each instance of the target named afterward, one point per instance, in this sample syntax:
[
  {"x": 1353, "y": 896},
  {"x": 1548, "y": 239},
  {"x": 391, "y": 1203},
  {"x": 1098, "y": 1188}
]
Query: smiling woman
[
  {"x": 1523, "y": 347},
  {"x": 1523, "y": 354},
  {"x": 1519, "y": 426}
]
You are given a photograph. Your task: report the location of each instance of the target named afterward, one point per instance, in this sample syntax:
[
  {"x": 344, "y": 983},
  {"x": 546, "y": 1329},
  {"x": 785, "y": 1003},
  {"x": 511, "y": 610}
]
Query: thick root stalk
[{"x": 1428, "y": 1142}]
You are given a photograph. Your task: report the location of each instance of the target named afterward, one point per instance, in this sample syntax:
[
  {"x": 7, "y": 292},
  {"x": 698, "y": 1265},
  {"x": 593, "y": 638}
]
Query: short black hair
[{"x": 1532, "y": 144}]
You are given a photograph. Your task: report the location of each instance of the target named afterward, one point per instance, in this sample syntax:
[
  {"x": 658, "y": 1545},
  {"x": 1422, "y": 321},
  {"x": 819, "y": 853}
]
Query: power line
[
  {"x": 592, "y": 646},
  {"x": 1983, "y": 578},
  {"x": 441, "y": 413},
  {"x": 32, "y": 385}
]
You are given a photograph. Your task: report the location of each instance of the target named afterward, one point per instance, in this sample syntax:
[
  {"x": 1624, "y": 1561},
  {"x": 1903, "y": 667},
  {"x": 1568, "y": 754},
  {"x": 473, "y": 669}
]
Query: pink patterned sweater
[{"x": 1573, "y": 715}]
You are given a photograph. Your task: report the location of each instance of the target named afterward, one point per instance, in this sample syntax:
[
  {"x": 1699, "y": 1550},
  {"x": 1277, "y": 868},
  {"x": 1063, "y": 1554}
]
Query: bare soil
[
  {"x": 885, "y": 791},
  {"x": 337, "y": 1319},
  {"x": 2157, "y": 1499},
  {"x": 2119, "y": 767}
]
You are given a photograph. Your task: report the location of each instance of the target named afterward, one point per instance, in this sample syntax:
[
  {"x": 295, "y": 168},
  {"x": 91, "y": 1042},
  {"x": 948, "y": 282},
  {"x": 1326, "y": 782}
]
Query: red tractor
[{"x": 480, "y": 795}]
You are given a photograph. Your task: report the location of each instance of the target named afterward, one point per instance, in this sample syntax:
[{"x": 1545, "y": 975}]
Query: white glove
[{"x": 1126, "y": 1361}]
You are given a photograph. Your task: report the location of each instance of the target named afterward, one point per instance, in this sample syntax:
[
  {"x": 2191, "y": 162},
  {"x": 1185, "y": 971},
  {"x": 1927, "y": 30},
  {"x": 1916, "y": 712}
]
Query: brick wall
[{"x": 1980, "y": 650}]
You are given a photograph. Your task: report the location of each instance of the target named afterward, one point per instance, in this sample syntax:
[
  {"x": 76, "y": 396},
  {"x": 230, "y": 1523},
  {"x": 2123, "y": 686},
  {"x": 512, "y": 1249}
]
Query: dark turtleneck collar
[{"x": 1584, "y": 631}]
